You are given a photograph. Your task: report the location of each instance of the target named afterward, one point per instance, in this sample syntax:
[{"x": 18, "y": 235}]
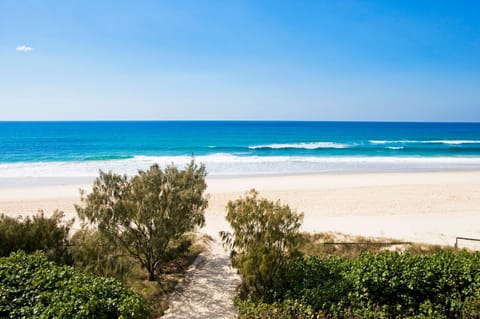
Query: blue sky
[{"x": 261, "y": 60}]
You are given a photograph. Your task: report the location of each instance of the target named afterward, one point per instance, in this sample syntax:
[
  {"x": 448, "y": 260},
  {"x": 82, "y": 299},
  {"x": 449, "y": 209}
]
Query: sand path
[{"x": 208, "y": 288}]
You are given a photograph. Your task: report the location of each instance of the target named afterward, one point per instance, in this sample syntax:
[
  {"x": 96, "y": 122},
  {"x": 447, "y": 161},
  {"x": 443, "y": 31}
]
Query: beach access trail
[{"x": 208, "y": 288}]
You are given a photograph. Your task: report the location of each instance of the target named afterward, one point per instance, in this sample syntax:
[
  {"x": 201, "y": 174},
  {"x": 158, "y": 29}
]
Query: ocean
[{"x": 80, "y": 149}]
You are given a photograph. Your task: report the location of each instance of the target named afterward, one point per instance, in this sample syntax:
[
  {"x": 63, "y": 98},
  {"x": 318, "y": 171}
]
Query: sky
[{"x": 320, "y": 60}]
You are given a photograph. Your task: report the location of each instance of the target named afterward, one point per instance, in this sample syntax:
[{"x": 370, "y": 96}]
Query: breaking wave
[
  {"x": 220, "y": 164},
  {"x": 307, "y": 146},
  {"x": 448, "y": 142}
]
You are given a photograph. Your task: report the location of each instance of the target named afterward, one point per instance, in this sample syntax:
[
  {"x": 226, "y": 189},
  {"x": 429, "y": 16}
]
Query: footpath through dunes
[{"x": 208, "y": 288}]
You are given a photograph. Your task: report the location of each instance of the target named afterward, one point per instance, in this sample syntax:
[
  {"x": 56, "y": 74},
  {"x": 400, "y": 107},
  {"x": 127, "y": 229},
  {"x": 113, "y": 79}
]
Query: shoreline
[
  {"x": 226, "y": 166},
  {"x": 431, "y": 207},
  {"x": 53, "y": 181}
]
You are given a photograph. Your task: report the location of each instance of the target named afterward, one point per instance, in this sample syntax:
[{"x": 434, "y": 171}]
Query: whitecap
[
  {"x": 307, "y": 146},
  {"x": 450, "y": 142},
  {"x": 395, "y": 147}
]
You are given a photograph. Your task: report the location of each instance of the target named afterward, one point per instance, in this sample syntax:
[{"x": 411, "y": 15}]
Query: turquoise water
[{"x": 52, "y": 149}]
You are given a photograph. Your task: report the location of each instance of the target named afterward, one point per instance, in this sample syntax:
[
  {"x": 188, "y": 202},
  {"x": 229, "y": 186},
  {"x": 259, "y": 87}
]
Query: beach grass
[{"x": 335, "y": 244}]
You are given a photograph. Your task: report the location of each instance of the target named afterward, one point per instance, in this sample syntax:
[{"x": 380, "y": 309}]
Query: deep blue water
[{"x": 234, "y": 147}]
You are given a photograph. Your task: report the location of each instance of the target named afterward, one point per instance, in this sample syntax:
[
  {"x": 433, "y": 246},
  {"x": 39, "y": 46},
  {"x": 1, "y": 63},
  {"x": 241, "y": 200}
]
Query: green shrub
[
  {"x": 94, "y": 254},
  {"x": 471, "y": 307},
  {"x": 403, "y": 283},
  {"x": 36, "y": 233},
  {"x": 387, "y": 285},
  {"x": 286, "y": 309},
  {"x": 265, "y": 235},
  {"x": 33, "y": 287},
  {"x": 318, "y": 282}
]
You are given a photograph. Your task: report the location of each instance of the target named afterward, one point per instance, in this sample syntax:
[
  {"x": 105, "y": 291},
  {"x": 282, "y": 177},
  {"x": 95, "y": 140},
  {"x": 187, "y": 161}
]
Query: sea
[{"x": 78, "y": 150}]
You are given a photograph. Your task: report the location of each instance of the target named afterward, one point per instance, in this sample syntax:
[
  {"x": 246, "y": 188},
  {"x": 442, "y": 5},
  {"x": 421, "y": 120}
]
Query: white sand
[
  {"x": 428, "y": 207},
  {"x": 208, "y": 289},
  {"x": 425, "y": 207}
]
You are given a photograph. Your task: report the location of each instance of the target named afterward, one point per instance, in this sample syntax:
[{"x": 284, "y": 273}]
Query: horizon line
[{"x": 233, "y": 121}]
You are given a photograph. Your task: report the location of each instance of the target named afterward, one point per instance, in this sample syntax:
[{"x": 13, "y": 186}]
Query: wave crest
[
  {"x": 448, "y": 142},
  {"x": 307, "y": 146}
]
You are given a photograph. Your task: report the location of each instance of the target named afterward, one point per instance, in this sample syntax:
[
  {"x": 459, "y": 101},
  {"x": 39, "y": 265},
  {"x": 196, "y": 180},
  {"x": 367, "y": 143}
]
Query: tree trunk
[
  {"x": 151, "y": 275},
  {"x": 151, "y": 271}
]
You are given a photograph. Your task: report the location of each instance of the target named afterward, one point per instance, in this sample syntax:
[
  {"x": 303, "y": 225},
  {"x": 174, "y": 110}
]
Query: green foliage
[
  {"x": 286, "y": 309},
  {"x": 36, "y": 233},
  {"x": 348, "y": 282},
  {"x": 156, "y": 293},
  {"x": 428, "y": 283},
  {"x": 318, "y": 282},
  {"x": 94, "y": 254},
  {"x": 265, "y": 234},
  {"x": 387, "y": 285},
  {"x": 471, "y": 308},
  {"x": 33, "y": 287},
  {"x": 147, "y": 214}
]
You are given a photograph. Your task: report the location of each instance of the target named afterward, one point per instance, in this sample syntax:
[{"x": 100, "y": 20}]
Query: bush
[
  {"x": 387, "y": 285},
  {"x": 265, "y": 234},
  {"x": 92, "y": 253},
  {"x": 286, "y": 309},
  {"x": 36, "y": 233},
  {"x": 145, "y": 215},
  {"x": 405, "y": 284},
  {"x": 318, "y": 282},
  {"x": 33, "y": 287}
]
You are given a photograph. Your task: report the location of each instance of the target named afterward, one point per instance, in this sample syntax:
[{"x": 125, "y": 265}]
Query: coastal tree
[
  {"x": 265, "y": 235},
  {"x": 147, "y": 214}
]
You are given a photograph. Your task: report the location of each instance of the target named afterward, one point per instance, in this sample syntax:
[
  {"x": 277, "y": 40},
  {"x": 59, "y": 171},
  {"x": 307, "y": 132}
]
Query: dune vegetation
[
  {"x": 287, "y": 274},
  {"x": 136, "y": 241}
]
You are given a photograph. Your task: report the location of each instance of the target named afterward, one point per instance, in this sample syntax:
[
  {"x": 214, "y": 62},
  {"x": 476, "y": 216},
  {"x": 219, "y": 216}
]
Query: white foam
[
  {"x": 308, "y": 146},
  {"x": 380, "y": 142},
  {"x": 227, "y": 164},
  {"x": 457, "y": 142},
  {"x": 450, "y": 142}
]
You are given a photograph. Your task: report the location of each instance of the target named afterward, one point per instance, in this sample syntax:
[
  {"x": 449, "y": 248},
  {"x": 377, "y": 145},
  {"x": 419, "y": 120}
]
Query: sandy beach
[{"x": 432, "y": 207}]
